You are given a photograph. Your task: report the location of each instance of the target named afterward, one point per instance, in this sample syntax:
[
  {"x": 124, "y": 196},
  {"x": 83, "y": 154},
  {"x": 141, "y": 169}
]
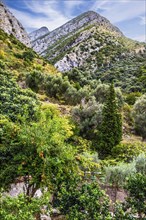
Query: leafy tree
[
  {"x": 111, "y": 127},
  {"x": 139, "y": 114},
  {"x": 121, "y": 213},
  {"x": 88, "y": 117},
  {"x": 35, "y": 80},
  {"x": 131, "y": 97},
  {"x": 101, "y": 92},
  {"x": 37, "y": 152}
]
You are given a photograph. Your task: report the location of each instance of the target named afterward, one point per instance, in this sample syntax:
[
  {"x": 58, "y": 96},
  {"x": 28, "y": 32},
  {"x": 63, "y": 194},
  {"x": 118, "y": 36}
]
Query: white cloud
[
  {"x": 44, "y": 14},
  {"x": 99, "y": 5},
  {"x": 54, "y": 13},
  {"x": 71, "y": 4},
  {"x": 143, "y": 20},
  {"x": 119, "y": 11}
]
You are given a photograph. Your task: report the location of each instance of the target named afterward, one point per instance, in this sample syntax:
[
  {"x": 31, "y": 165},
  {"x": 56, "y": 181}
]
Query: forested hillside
[{"x": 78, "y": 138}]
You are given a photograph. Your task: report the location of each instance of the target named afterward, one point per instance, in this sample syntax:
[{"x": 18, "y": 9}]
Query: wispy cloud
[
  {"x": 40, "y": 13},
  {"x": 119, "y": 11},
  {"x": 31, "y": 22},
  {"x": 97, "y": 5},
  {"x": 34, "y": 14},
  {"x": 143, "y": 20},
  {"x": 71, "y": 4}
]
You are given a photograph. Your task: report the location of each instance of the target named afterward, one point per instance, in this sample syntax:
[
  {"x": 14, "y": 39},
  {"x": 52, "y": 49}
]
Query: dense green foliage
[
  {"x": 110, "y": 132},
  {"x": 139, "y": 113},
  {"x": 136, "y": 187},
  {"x": 35, "y": 152},
  {"x": 57, "y": 153},
  {"x": 18, "y": 208},
  {"x": 85, "y": 202},
  {"x": 15, "y": 102}
]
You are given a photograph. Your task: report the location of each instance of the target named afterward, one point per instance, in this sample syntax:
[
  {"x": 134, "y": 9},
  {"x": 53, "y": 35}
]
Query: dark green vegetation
[
  {"x": 110, "y": 132},
  {"x": 103, "y": 55},
  {"x": 71, "y": 157}
]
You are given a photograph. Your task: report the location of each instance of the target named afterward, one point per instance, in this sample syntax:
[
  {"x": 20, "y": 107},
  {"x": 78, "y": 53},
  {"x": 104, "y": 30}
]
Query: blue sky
[{"x": 128, "y": 15}]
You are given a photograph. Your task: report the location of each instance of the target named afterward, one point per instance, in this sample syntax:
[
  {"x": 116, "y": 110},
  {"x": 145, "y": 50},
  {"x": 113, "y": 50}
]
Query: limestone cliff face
[
  {"x": 77, "y": 42},
  {"x": 38, "y": 33},
  {"x": 11, "y": 25},
  {"x": 41, "y": 44}
]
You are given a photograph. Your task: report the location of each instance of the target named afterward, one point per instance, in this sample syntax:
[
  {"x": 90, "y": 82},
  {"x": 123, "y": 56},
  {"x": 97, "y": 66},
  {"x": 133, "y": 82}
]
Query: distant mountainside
[
  {"x": 70, "y": 28},
  {"x": 38, "y": 33},
  {"x": 11, "y": 25},
  {"x": 86, "y": 49},
  {"x": 88, "y": 41}
]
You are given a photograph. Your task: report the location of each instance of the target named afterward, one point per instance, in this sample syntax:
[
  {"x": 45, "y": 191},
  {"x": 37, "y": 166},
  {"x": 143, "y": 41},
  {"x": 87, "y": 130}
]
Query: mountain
[
  {"x": 11, "y": 25},
  {"x": 71, "y": 28},
  {"x": 88, "y": 41},
  {"x": 38, "y": 33}
]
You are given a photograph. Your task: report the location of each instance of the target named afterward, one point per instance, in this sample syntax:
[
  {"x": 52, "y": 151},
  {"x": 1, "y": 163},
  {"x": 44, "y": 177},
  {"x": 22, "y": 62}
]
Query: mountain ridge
[
  {"x": 38, "y": 33},
  {"x": 11, "y": 25},
  {"x": 88, "y": 40},
  {"x": 85, "y": 19}
]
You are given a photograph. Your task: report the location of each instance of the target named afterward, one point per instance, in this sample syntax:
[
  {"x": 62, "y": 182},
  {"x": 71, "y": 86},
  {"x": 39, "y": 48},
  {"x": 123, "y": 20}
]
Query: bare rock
[{"x": 11, "y": 25}]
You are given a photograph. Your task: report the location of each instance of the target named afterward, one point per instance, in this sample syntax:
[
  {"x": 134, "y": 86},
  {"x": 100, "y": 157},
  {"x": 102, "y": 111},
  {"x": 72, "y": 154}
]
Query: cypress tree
[{"x": 111, "y": 127}]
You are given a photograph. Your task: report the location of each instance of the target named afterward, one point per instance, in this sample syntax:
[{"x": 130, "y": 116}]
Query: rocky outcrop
[
  {"x": 11, "y": 25},
  {"x": 40, "y": 45},
  {"x": 38, "y": 33}
]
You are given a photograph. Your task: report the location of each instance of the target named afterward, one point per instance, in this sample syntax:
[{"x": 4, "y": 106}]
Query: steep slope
[
  {"x": 19, "y": 59},
  {"x": 89, "y": 41},
  {"x": 38, "y": 33},
  {"x": 11, "y": 25},
  {"x": 70, "y": 28}
]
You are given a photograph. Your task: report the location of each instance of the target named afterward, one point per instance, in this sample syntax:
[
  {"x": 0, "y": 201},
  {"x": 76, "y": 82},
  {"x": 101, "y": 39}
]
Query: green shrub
[
  {"x": 127, "y": 151},
  {"x": 16, "y": 102},
  {"x": 131, "y": 98},
  {"x": 35, "y": 80},
  {"x": 139, "y": 115},
  {"x": 84, "y": 201}
]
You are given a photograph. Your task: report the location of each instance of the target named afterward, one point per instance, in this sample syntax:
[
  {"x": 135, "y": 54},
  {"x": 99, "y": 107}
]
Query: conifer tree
[{"x": 111, "y": 127}]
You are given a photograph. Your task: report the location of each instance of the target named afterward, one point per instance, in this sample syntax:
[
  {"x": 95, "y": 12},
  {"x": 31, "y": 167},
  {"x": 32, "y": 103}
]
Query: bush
[
  {"x": 14, "y": 208},
  {"x": 136, "y": 186},
  {"x": 131, "y": 98},
  {"x": 127, "y": 151},
  {"x": 35, "y": 80},
  {"x": 84, "y": 201},
  {"x": 16, "y": 102},
  {"x": 139, "y": 115},
  {"x": 88, "y": 117},
  {"x": 140, "y": 164}
]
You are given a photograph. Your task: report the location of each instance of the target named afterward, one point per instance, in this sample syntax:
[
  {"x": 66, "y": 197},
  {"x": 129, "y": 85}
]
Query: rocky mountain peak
[
  {"x": 40, "y": 44},
  {"x": 38, "y": 33},
  {"x": 11, "y": 25}
]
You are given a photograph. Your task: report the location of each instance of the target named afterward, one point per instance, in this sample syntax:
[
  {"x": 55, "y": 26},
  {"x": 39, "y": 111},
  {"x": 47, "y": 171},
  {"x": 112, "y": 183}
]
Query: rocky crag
[
  {"x": 11, "y": 25},
  {"x": 89, "y": 41},
  {"x": 38, "y": 33}
]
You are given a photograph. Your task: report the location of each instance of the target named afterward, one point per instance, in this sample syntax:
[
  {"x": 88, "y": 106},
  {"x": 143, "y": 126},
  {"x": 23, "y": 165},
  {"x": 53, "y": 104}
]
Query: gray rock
[
  {"x": 38, "y": 33},
  {"x": 11, "y": 25},
  {"x": 41, "y": 44},
  {"x": 45, "y": 217}
]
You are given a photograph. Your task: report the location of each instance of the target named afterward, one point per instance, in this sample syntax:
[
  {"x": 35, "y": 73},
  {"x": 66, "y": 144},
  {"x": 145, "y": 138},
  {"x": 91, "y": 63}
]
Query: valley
[{"x": 72, "y": 121}]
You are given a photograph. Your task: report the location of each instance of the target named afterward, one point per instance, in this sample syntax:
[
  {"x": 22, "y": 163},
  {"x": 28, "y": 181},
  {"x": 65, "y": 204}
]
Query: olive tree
[{"x": 139, "y": 115}]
